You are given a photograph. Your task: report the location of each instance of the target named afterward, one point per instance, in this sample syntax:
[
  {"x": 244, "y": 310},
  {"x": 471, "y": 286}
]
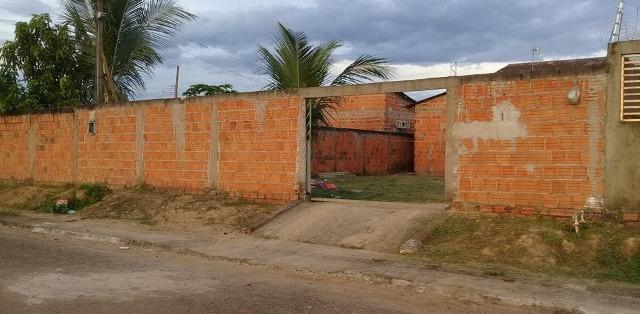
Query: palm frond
[
  {"x": 364, "y": 69},
  {"x": 135, "y": 32}
]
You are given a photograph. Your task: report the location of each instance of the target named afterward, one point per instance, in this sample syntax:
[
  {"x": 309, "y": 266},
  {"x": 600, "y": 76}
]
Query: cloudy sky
[{"x": 420, "y": 37}]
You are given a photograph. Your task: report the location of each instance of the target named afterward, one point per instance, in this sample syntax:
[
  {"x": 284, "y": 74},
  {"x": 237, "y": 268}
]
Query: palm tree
[
  {"x": 135, "y": 32},
  {"x": 295, "y": 63}
]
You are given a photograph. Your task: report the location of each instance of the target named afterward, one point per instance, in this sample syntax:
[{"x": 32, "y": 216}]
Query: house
[{"x": 370, "y": 134}]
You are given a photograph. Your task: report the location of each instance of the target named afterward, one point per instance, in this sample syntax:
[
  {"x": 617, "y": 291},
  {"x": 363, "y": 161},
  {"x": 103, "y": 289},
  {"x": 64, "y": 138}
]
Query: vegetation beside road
[
  {"x": 406, "y": 188},
  {"x": 501, "y": 244}
]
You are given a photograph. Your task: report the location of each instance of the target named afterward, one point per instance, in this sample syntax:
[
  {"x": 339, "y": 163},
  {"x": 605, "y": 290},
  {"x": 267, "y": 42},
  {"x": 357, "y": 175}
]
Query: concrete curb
[
  {"x": 460, "y": 287},
  {"x": 261, "y": 222}
]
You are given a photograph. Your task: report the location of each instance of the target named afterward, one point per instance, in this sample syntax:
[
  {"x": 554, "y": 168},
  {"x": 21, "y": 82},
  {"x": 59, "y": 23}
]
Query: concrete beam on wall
[
  {"x": 379, "y": 88},
  {"x": 139, "y": 145},
  {"x": 33, "y": 126},
  {"x": 452, "y": 154},
  {"x": 214, "y": 153}
]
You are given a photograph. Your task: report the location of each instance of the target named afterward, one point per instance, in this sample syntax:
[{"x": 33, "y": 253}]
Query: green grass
[
  {"x": 86, "y": 195},
  {"x": 387, "y": 188},
  {"x": 498, "y": 244}
]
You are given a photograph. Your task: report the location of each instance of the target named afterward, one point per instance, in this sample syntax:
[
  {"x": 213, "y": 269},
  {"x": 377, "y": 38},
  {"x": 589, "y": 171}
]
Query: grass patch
[
  {"x": 43, "y": 198},
  {"x": 496, "y": 244},
  {"x": 388, "y": 188}
]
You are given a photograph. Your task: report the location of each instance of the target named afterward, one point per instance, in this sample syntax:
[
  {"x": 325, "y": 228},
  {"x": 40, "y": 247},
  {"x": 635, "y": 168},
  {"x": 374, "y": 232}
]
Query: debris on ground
[{"x": 323, "y": 184}]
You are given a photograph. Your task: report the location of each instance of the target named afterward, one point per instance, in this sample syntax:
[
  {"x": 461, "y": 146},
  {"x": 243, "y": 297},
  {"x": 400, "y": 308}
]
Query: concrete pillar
[
  {"x": 301, "y": 163},
  {"x": 139, "y": 145},
  {"x": 33, "y": 125},
  {"x": 74, "y": 147},
  {"x": 214, "y": 150},
  {"x": 451, "y": 176}
]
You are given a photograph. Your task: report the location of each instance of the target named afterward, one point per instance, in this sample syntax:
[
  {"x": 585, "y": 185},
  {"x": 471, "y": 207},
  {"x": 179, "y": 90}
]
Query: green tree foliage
[
  {"x": 208, "y": 90},
  {"x": 296, "y": 63},
  {"x": 135, "y": 33},
  {"x": 39, "y": 68}
]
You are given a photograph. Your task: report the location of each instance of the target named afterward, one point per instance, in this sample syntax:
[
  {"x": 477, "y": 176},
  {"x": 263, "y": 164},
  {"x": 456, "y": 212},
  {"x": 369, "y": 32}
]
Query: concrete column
[
  {"x": 214, "y": 150},
  {"x": 451, "y": 176},
  {"x": 32, "y": 147},
  {"x": 301, "y": 162},
  {"x": 74, "y": 147},
  {"x": 139, "y": 145}
]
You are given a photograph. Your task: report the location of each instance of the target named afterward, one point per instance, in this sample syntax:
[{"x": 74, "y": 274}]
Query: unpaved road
[{"x": 45, "y": 274}]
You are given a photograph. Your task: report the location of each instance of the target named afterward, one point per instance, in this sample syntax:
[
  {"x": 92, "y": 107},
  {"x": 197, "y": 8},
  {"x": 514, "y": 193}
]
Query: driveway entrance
[{"x": 375, "y": 226}]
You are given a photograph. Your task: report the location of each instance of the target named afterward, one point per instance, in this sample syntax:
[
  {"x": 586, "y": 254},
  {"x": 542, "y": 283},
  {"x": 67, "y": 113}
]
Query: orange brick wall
[
  {"x": 108, "y": 156},
  {"x": 362, "y": 152},
  {"x": 372, "y": 112},
  {"x": 258, "y": 147},
  {"x": 14, "y": 147},
  {"x": 53, "y": 148},
  {"x": 176, "y": 145},
  {"x": 252, "y": 153},
  {"x": 552, "y": 166},
  {"x": 430, "y": 137}
]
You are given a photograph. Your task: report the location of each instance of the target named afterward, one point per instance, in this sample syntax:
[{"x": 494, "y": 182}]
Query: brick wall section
[
  {"x": 372, "y": 112},
  {"x": 548, "y": 160},
  {"x": 53, "y": 148},
  {"x": 430, "y": 140},
  {"x": 108, "y": 156},
  {"x": 164, "y": 144},
  {"x": 362, "y": 152},
  {"x": 258, "y": 147},
  {"x": 176, "y": 145},
  {"x": 396, "y": 110},
  {"x": 14, "y": 147}
]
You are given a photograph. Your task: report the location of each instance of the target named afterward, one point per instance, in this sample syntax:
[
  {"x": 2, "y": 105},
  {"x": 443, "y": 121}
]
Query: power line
[
  {"x": 219, "y": 50},
  {"x": 217, "y": 65}
]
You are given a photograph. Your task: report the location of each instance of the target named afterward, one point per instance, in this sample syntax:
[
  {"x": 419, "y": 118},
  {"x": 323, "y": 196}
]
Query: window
[{"x": 630, "y": 103}]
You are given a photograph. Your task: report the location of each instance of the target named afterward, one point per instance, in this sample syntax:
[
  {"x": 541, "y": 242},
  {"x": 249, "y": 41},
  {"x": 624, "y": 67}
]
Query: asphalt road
[{"x": 45, "y": 274}]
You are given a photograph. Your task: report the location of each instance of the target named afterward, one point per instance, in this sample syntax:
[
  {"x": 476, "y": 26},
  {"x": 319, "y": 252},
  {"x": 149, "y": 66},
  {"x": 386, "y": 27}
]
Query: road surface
[{"x": 46, "y": 274}]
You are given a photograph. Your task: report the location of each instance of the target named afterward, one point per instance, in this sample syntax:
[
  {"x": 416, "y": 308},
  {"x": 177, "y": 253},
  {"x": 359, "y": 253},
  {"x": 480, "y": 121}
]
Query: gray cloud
[
  {"x": 26, "y": 8},
  {"x": 419, "y": 31}
]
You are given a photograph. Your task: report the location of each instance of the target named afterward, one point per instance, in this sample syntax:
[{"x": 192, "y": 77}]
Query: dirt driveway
[{"x": 376, "y": 226}]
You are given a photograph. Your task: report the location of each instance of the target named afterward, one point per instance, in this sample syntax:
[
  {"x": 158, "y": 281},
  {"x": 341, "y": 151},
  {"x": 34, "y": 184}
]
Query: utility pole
[
  {"x": 175, "y": 90},
  {"x": 99, "y": 66}
]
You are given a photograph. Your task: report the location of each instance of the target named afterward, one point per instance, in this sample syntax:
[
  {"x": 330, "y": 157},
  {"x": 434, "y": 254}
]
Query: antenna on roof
[
  {"x": 615, "y": 33},
  {"x": 454, "y": 68}
]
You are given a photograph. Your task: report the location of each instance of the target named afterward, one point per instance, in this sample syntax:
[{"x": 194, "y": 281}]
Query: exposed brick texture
[
  {"x": 53, "y": 149},
  {"x": 14, "y": 147},
  {"x": 362, "y": 152},
  {"x": 256, "y": 146},
  {"x": 430, "y": 136},
  {"x": 108, "y": 156},
  {"x": 374, "y": 112},
  {"x": 552, "y": 166}
]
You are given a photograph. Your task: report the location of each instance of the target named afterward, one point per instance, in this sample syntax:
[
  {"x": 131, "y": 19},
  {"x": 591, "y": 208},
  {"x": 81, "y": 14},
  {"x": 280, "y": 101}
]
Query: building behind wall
[
  {"x": 430, "y": 138},
  {"x": 370, "y": 134}
]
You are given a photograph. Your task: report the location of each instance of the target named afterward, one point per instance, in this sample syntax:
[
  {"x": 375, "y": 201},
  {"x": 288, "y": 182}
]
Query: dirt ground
[
  {"x": 176, "y": 210},
  {"x": 164, "y": 208},
  {"x": 14, "y": 196}
]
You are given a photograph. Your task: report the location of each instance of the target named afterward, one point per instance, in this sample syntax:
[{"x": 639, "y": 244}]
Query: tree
[
  {"x": 208, "y": 90},
  {"x": 39, "y": 68},
  {"x": 295, "y": 63},
  {"x": 135, "y": 33}
]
